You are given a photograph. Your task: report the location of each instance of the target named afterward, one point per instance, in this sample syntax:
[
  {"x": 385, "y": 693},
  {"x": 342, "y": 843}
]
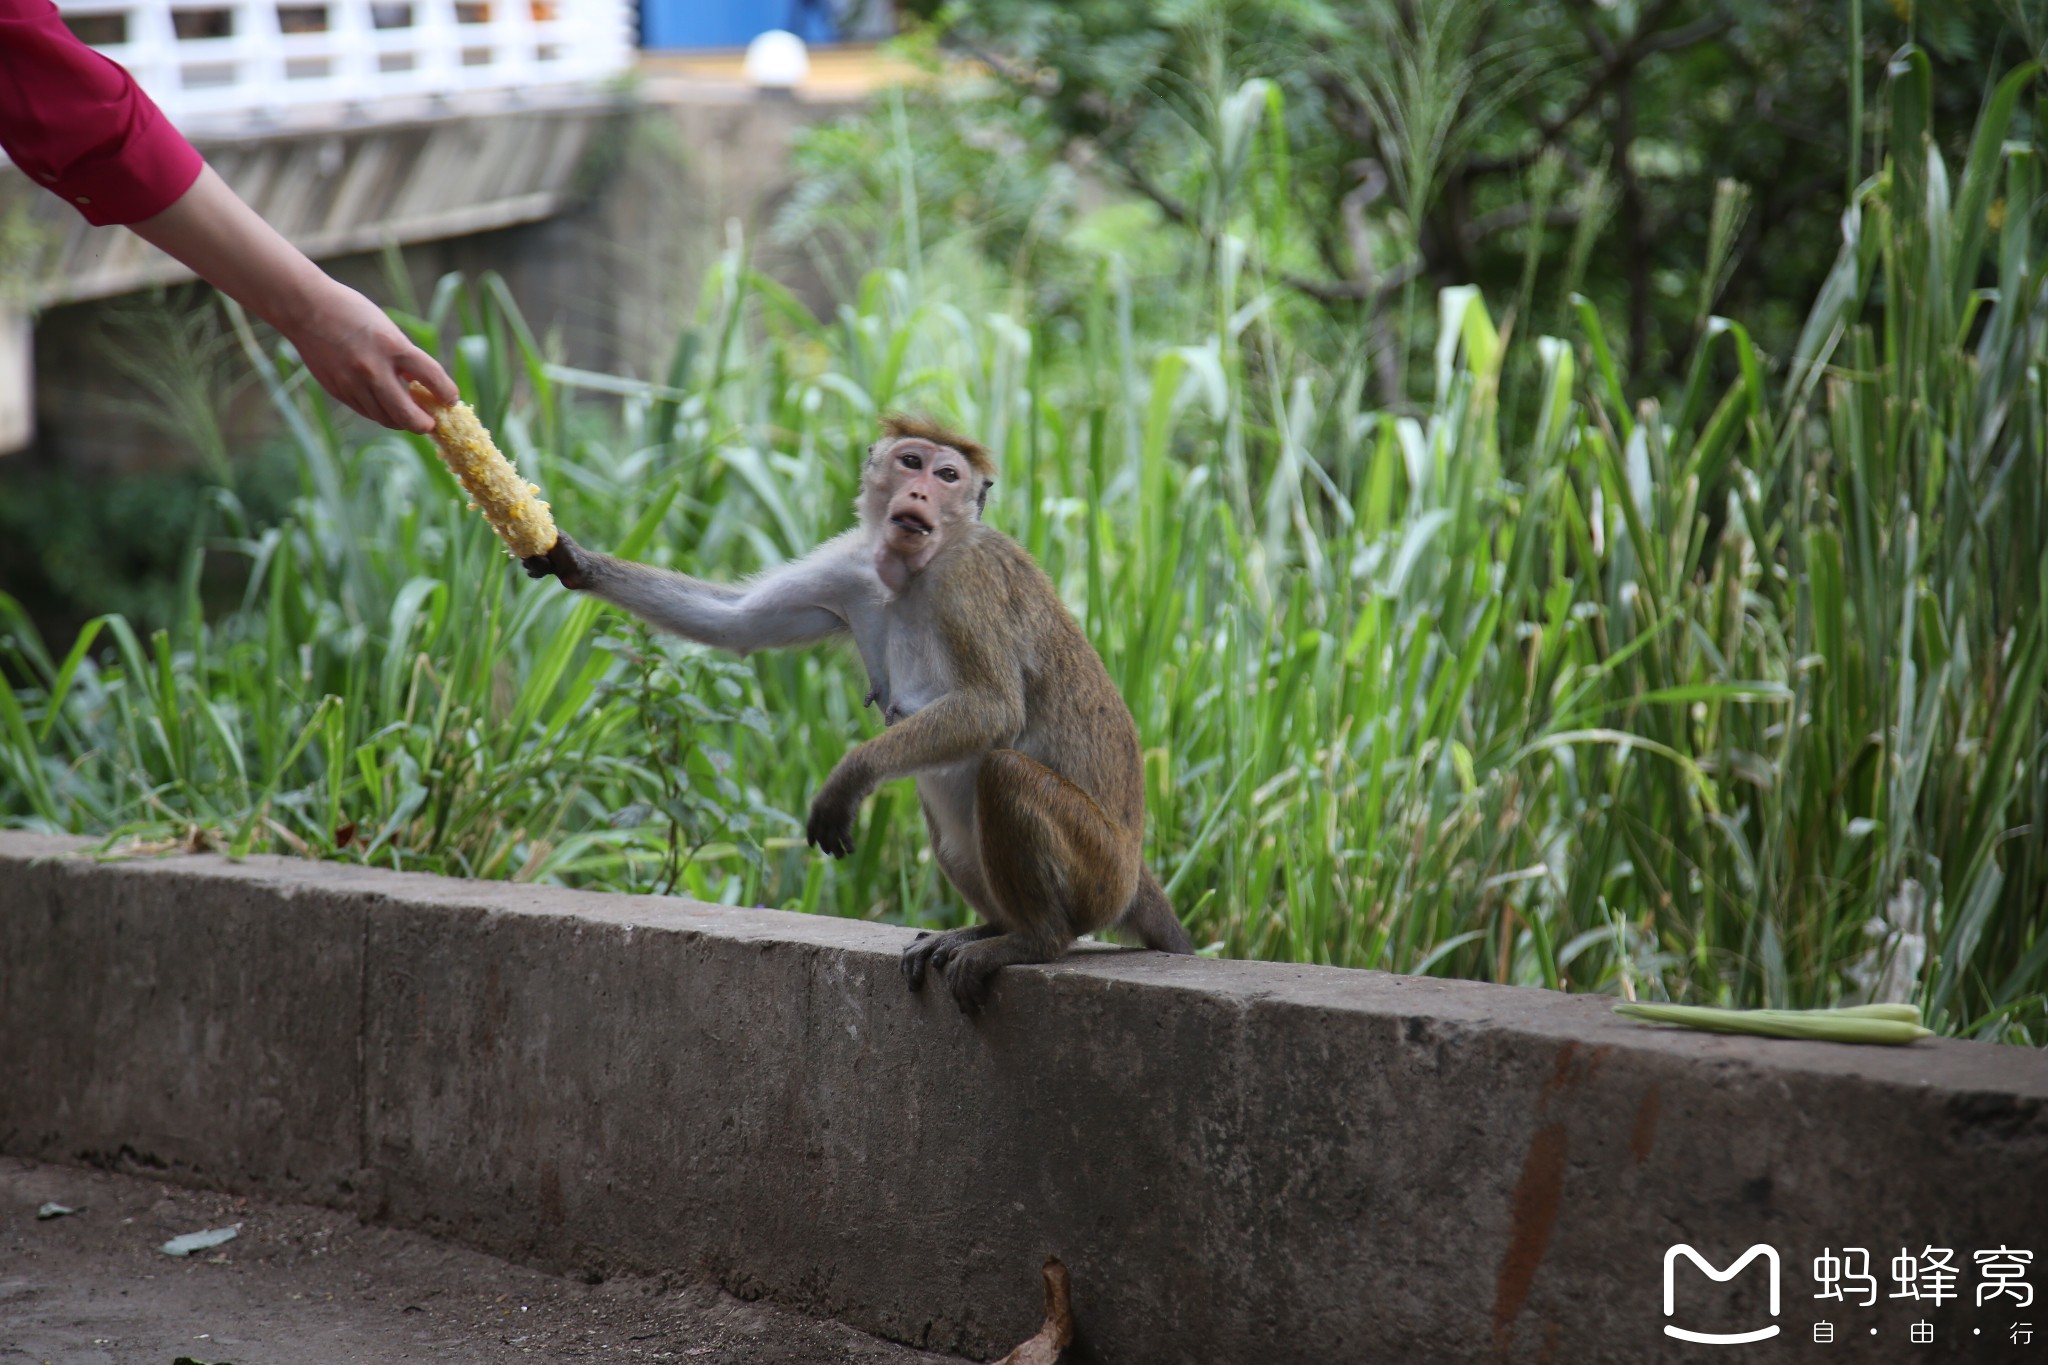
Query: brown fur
[
  {"x": 900, "y": 424},
  {"x": 1059, "y": 798}
]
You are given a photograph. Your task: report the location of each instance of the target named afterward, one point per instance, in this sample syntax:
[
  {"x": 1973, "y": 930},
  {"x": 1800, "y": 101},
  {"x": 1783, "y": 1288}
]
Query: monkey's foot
[
  {"x": 933, "y": 951},
  {"x": 967, "y": 977},
  {"x": 970, "y": 969}
]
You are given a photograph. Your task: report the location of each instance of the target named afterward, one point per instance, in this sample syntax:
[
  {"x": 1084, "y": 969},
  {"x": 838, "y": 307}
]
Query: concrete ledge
[{"x": 1239, "y": 1161}]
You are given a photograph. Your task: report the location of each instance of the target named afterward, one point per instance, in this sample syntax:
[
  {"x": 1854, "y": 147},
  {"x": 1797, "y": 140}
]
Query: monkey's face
[{"x": 920, "y": 495}]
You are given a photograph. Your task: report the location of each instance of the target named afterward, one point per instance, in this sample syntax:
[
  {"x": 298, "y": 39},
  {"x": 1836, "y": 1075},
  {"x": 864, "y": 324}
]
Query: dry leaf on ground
[{"x": 1058, "y": 1332}]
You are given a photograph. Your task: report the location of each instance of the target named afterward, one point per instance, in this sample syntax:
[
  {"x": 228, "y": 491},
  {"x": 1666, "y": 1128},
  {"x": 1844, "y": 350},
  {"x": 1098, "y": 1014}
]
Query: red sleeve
[{"x": 80, "y": 126}]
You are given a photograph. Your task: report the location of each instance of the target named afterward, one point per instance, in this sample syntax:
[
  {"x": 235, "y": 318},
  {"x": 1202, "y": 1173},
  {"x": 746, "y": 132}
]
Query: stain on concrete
[
  {"x": 1643, "y": 1136},
  {"x": 1560, "y": 1075},
  {"x": 1571, "y": 1069},
  {"x": 551, "y": 1211},
  {"x": 1531, "y": 1219}
]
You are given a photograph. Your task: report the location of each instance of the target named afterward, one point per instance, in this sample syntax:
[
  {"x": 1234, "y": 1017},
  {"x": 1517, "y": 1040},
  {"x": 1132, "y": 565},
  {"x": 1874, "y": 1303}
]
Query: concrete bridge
[
  {"x": 355, "y": 126},
  {"x": 350, "y": 124}
]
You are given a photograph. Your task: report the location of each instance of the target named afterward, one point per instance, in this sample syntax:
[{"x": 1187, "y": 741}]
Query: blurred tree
[{"x": 1533, "y": 149}]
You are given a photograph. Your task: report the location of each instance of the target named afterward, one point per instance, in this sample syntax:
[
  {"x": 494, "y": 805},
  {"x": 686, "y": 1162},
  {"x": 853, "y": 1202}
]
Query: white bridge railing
[{"x": 226, "y": 64}]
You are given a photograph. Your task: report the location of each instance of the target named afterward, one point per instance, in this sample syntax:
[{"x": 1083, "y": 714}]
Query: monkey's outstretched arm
[{"x": 793, "y": 605}]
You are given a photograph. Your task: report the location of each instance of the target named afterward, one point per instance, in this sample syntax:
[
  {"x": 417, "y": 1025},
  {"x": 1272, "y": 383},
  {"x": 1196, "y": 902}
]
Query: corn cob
[
  {"x": 1889, "y": 1024},
  {"x": 510, "y": 504}
]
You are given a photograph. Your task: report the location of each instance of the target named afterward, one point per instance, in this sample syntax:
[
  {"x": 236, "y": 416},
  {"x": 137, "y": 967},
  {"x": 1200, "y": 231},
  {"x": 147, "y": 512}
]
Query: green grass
[{"x": 1545, "y": 683}]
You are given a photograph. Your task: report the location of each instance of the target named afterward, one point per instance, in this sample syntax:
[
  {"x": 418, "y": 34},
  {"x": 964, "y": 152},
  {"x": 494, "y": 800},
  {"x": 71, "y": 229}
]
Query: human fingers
[
  {"x": 414, "y": 363},
  {"x": 398, "y": 407}
]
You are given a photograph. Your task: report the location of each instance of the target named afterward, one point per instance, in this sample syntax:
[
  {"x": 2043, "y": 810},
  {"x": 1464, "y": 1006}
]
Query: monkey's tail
[{"x": 1150, "y": 916}]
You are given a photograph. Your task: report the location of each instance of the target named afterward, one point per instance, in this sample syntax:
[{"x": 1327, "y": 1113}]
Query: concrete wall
[{"x": 1239, "y": 1161}]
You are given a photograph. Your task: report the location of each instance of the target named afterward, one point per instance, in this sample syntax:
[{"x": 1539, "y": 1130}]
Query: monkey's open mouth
[{"x": 911, "y": 521}]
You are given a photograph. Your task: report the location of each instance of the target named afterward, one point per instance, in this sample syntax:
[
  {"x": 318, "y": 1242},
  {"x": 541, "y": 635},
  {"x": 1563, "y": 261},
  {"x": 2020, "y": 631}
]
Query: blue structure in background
[{"x": 731, "y": 23}]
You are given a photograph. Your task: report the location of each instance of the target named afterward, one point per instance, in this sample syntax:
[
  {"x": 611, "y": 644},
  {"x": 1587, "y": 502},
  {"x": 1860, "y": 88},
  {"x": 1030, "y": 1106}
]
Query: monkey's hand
[
  {"x": 830, "y": 829},
  {"x": 567, "y": 561}
]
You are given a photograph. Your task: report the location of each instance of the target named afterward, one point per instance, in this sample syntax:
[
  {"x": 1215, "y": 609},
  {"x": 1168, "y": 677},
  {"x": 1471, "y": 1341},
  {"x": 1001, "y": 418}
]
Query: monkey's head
[{"x": 922, "y": 486}]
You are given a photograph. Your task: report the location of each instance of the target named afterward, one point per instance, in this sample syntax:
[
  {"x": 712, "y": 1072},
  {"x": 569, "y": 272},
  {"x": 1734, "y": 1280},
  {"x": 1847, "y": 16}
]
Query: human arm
[
  {"x": 78, "y": 125},
  {"x": 348, "y": 344}
]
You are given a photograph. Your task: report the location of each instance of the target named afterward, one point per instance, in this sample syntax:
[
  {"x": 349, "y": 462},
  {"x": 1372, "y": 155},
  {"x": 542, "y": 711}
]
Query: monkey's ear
[{"x": 981, "y": 498}]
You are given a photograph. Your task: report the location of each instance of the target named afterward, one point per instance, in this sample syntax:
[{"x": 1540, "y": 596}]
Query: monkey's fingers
[
  {"x": 563, "y": 559},
  {"x": 830, "y": 842},
  {"x": 917, "y": 959},
  {"x": 830, "y": 828},
  {"x": 969, "y": 983}
]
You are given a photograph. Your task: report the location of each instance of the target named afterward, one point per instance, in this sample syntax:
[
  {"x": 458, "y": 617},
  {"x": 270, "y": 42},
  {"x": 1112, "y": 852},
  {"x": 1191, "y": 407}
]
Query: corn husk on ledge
[
  {"x": 1893, "y": 1025},
  {"x": 510, "y": 504}
]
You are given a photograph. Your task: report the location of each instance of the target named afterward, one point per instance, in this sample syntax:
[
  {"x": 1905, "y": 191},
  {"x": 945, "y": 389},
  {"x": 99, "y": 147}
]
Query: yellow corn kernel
[{"x": 508, "y": 503}]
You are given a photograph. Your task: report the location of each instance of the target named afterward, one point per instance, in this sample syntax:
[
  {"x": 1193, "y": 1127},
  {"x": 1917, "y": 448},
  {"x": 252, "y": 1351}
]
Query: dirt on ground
[{"x": 309, "y": 1286}]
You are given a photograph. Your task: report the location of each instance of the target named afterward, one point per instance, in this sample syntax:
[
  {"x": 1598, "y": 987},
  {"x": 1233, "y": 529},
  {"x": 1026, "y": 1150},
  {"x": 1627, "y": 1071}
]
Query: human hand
[
  {"x": 361, "y": 357},
  {"x": 353, "y": 350}
]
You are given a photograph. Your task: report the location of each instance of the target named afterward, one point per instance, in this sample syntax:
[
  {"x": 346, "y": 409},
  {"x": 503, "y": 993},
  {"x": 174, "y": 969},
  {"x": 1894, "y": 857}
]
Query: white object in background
[
  {"x": 777, "y": 60},
  {"x": 17, "y": 381},
  {"x": 256, "y": 63}
]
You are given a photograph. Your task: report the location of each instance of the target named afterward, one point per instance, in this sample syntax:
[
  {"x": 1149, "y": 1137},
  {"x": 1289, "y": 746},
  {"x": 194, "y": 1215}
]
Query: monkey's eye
[
  {"x": 949, "y": 474},
  {"x": 912, "y": 462}
]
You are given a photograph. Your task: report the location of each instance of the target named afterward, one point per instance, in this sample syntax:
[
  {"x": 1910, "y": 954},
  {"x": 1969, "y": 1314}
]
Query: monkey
[{"x": 1025, "y": 756}]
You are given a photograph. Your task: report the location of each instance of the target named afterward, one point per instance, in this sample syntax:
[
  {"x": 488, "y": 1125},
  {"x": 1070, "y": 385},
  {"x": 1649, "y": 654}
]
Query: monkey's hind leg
[
  {"x": 1052, "y": 861},
  {"x": 933, "y": 951}
]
